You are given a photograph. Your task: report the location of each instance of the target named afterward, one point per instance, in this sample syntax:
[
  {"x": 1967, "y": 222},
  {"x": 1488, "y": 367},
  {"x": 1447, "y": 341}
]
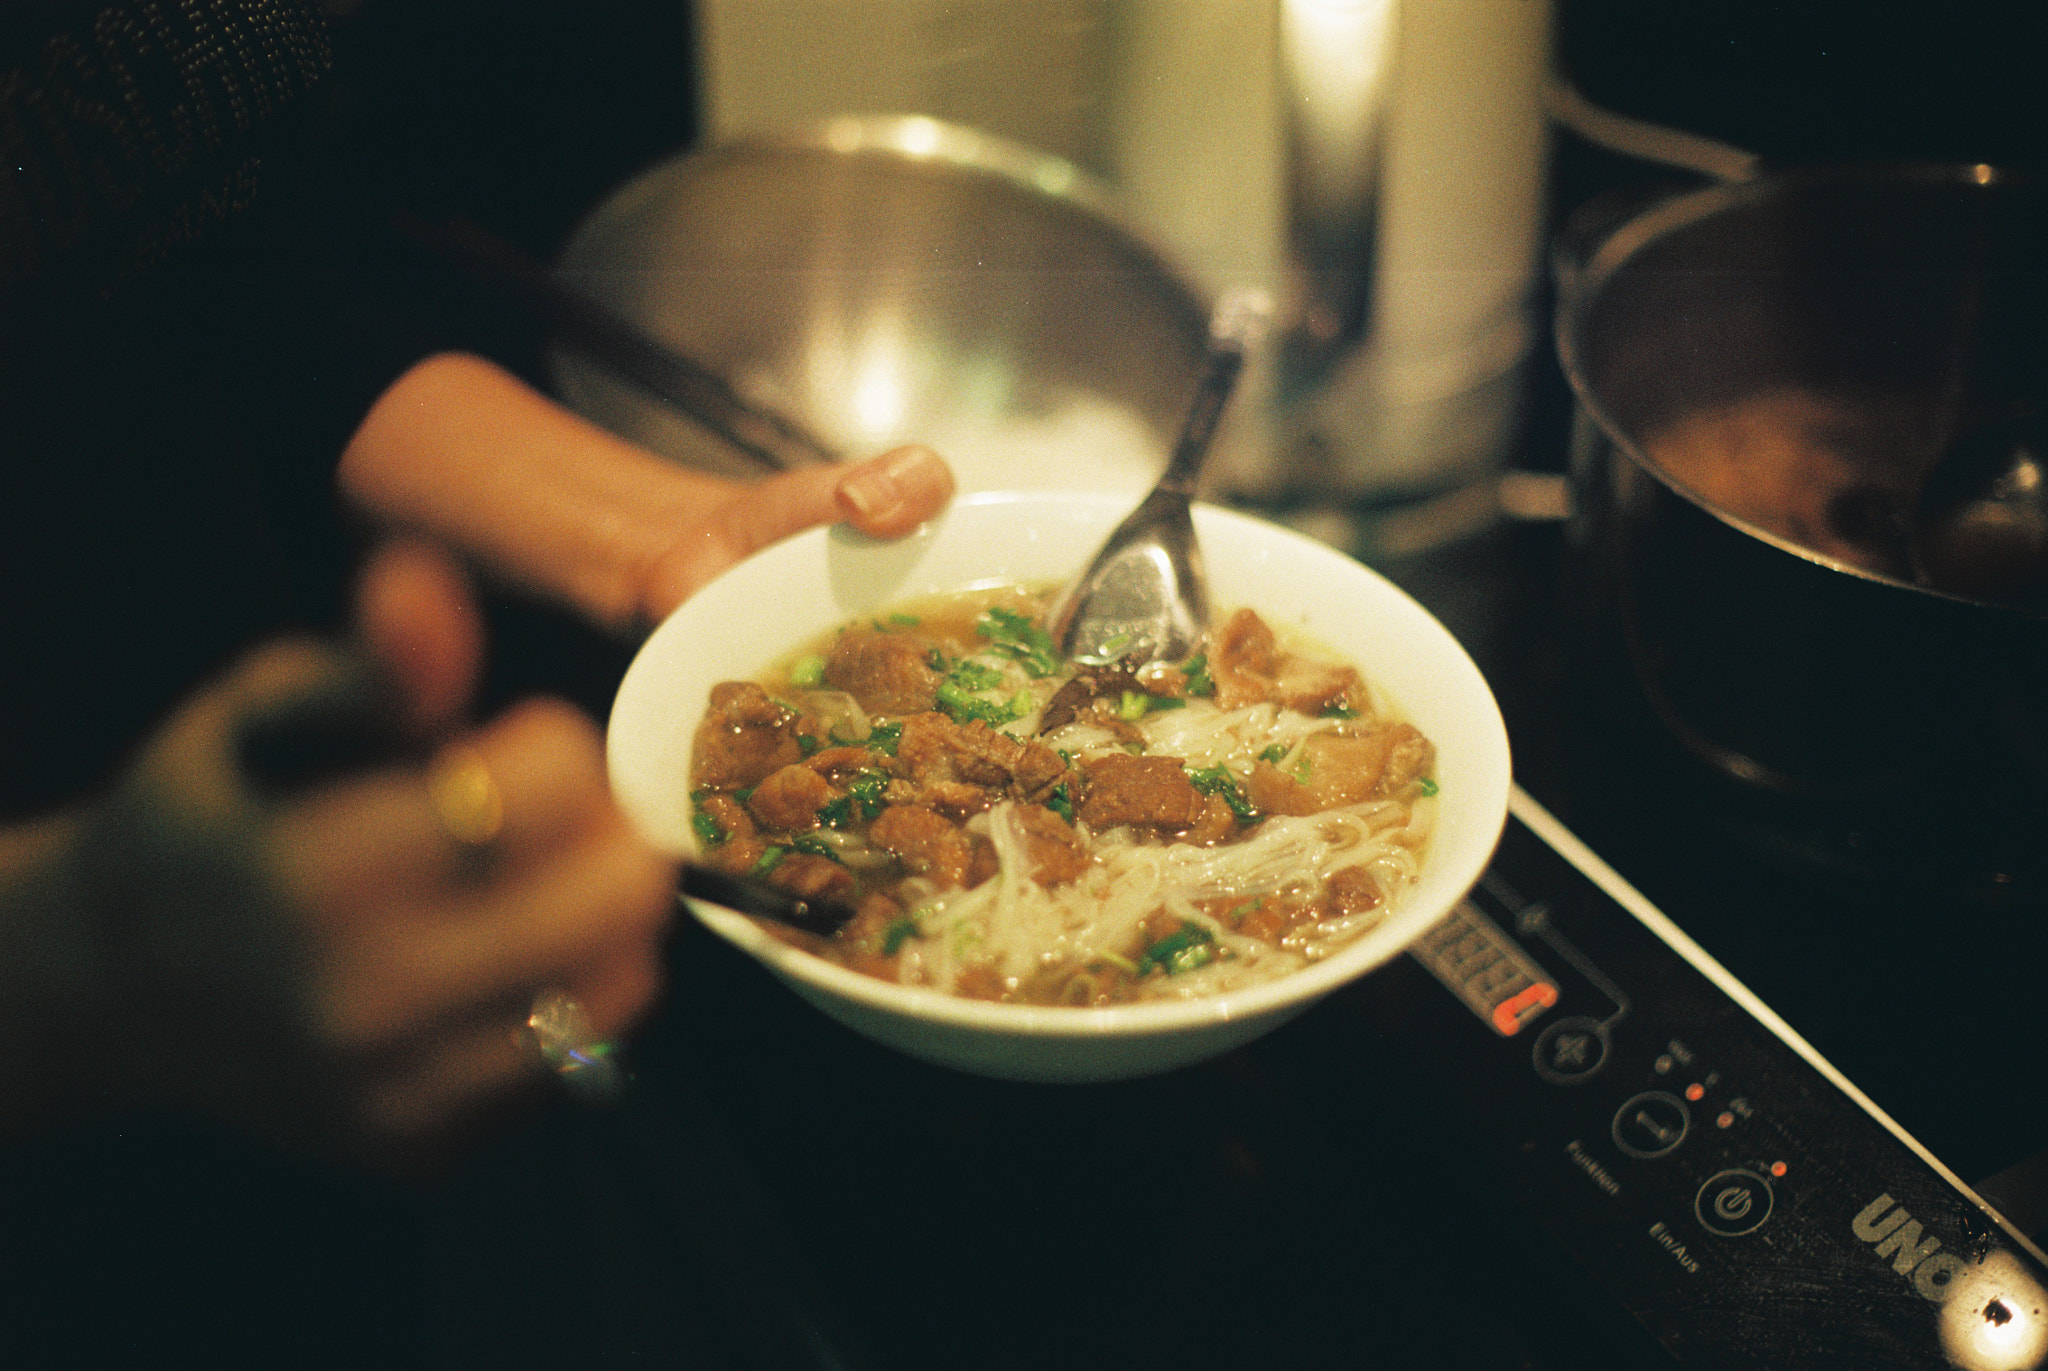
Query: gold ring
[{"x": 465, "y": 796}]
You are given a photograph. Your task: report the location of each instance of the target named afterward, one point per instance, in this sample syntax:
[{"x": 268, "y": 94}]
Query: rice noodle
[{"x": 1090, "y": 937}]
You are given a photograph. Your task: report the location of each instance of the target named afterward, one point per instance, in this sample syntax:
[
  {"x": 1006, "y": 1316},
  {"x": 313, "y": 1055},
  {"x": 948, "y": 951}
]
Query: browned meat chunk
[
  {"x": 1216, "y": 822},
  {"x": 1088, "y": 684},
  {"x": 935, "y": 751},
  {"x": 956, "y": 800},
  {"x": 1243, "y": 657},
  {"x": 1101, "y": 713},
  {"x": 789, "y": 799},
  {"x": 1143, "y": 792},
  {"x": 729, "y": 814},
  {"x": 836, "y": 763},
  {"x": 1057, "y": 852},
  {"x": 744, "y": 735},
  {"x": 1271, "y": 917},
  {"x": 1249, "y": 668},
  {"x": 926, "y": 842},
  {"x": 811, "y": 877},
  {"x": 737, "y": 856},
  {"x": 1411, "y": 758},
  {"x": 1343, "y": 769},
  {"x": 888, "y": 673},
  {"x": 1346, "y": 768},
  {"x": 1273, "y": 791},
  {"x": 1351, "y": 891},
  {"x": 1312, "y": 686}
]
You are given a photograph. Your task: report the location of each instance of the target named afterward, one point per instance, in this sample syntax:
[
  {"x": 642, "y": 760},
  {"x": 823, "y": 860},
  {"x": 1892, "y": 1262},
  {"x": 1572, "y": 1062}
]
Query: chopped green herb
[
  {"x": 1339, "y": 709},
  {"x": 1016, "y": 637},
  {"x": 709, "y": 831},
  {"x": 744, "y": 796},
  {"x": 1184, "y": 949},
  {"x": 1061, "y": 802},
  {"x": 1275, "y": 754},
  {"x": 768, "y": 861},
  {"x": 863, "y": 799},
  {"x": 904, "y": 621},
  {"x": 1133, "y": 705},
  {"x": 884, "y": 737},
  {"x": 1429, "y": 786},
  {"x": 894, "y": 936},
  {"x": 865, "y": 789},
  {"x": 1200, "y": 682},
  {"x": 807, "y": 671},
  {"x": 1218, "y": 780},
  {"x": 963, "y": 705},
  {"x": 976, "y": 675},
  {"x": 807, "y": 745}
]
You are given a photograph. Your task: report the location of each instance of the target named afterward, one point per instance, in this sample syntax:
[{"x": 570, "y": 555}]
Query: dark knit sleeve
[{"x": 127, "y": 130}]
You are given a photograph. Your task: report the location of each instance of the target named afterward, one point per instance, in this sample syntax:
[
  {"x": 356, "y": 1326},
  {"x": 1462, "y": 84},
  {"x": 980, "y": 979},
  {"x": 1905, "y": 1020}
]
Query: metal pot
[{"x": 1765, "y": 373}]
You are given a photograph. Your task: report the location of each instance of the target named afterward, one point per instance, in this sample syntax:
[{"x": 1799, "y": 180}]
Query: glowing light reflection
[
  {"x": 878, "y": 399},
  {"x": 1995, "y": 1317},
  {"x": 920, "y": 136}
]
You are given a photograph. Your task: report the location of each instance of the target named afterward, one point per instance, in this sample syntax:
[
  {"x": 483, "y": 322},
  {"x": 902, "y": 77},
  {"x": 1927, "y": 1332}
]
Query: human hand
[
  {"x": 467, "y": 454},
  {"x": 326, "y": 963}
]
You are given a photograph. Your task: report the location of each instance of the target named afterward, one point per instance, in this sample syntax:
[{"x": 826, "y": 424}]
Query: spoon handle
[{"x": 1237, "y": 320}]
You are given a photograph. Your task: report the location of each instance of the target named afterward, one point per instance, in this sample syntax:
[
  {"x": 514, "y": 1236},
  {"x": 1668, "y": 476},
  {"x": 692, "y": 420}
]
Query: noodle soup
[{"x": 1016, "y": 829}]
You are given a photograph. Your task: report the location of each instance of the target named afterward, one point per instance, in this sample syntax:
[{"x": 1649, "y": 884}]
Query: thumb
[
  {"x": 416, "y": 621},
  {"x": 884, "y": 497}
]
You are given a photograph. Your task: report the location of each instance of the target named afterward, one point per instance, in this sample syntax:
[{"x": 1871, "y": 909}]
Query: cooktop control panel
[{"x": 1733, "y": 1191}]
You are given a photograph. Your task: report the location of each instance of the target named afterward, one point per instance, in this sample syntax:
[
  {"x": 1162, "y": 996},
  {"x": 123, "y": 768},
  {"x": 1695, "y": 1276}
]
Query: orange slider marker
[{"x": 1510, "y": 1014}]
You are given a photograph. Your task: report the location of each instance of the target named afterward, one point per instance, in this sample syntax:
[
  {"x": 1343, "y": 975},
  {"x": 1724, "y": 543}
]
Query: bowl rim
[{"x": 1464, "y": 863}]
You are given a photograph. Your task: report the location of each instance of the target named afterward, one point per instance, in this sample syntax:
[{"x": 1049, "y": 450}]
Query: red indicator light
[
  {"x": 1726, "y": 1120},
  {"x": 1517, "y": 1009},
  {"x": 1694, "y": 1091},
  {"x": 1778, "y": 1169}
]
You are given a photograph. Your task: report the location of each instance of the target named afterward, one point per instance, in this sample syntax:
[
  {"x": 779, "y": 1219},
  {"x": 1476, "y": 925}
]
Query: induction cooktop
[{"x": 1738, "y": 1195}]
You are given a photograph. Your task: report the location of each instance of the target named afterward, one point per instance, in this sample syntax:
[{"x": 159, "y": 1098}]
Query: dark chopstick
[
  {"x": 823, "y": 917},
  {"x": 774, "y": 441}
]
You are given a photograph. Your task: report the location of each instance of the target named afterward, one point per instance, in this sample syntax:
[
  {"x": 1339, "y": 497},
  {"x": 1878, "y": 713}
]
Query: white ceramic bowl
[{"x": 737, "y": 625}]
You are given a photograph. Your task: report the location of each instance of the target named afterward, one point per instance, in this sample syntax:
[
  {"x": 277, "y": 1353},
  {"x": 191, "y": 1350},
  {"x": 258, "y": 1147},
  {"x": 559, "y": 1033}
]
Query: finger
[
  {"x": 894, "y": 493},
  {"x": 490, "y": 1055},
  {"x": 381, "y": 841},
  {"x": 545, "y": 759},
  {"x": 885, "y": 497},
  {"x": 610, "y": 899},
  {"x": 417, "y": 622},
  {"x": 607, "y": 900}
]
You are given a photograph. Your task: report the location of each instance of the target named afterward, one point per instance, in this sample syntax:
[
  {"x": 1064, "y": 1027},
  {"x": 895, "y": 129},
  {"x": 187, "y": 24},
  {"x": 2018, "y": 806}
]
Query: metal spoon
[
  {"x": 1144, "y": 597},
  {"x": 1980, "y": 526}
]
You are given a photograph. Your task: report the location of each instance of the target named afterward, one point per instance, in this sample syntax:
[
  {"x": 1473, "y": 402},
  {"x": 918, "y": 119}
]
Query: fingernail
[{"x": 877, "y": 489}]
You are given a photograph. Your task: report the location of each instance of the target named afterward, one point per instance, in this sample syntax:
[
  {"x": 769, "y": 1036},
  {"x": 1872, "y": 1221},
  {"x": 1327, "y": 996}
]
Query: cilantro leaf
[
  {"x": 1218, "y": 780},
  {"x": 1015, "y": 636},
  {"x": 1184, "y": 949}
]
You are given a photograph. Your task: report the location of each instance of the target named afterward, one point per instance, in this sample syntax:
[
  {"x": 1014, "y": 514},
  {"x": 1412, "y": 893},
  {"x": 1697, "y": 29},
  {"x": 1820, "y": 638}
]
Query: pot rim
[{"x": 1580, "y": 282}]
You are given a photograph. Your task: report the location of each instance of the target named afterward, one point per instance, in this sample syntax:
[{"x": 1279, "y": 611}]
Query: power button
[{"x": 1733, "y": 1202}]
